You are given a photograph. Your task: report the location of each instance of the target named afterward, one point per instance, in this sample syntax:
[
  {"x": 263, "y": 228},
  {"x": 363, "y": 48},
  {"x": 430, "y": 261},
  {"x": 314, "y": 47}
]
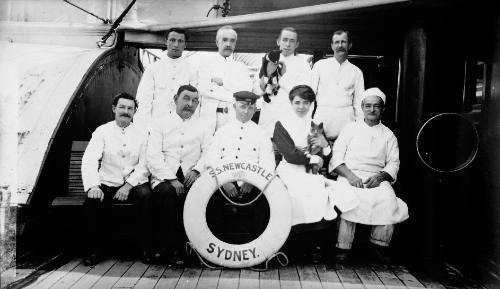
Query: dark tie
[{"x": 180, "y": 175}]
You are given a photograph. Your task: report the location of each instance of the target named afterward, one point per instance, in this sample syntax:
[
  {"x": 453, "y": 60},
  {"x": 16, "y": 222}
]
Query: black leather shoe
[
  {"x": 149, "y": 258},
  {"x": 341, "y": 256},
  {"x": 177, "y": 260},
  {"x": 92, "y": 259},
  {"x": 381, "y": 254}
]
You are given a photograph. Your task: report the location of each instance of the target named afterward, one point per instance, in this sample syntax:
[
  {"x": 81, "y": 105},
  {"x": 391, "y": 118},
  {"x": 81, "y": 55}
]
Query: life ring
[{"x": 237, "y": 255}]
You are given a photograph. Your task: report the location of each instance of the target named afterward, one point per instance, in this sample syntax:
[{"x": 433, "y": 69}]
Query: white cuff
[{"x": 315, "y": 159}]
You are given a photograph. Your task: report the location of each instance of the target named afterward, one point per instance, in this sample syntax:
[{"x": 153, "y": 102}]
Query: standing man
[
  {"x": 241, "y": 140},
  {"x": 220, "y": 77},
  {"x": 296, "y": 71},
  {"x": 338, "y": 85},
  {"x": 366, "y": 157},
  {"x": 161, "y": 80},
  {"x": 174, "y": 155},
  {"x": 120, "y": 146}
]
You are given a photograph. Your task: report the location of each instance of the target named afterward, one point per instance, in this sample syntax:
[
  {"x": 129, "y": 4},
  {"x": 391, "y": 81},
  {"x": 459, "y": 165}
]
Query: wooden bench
[{"x": 75, "y": 195}]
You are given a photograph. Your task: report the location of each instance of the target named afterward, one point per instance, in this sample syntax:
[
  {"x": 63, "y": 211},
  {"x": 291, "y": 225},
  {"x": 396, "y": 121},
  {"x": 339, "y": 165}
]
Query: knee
[
  {"x": 143, "y": 192},
  {"x": 165, "y": 191}
]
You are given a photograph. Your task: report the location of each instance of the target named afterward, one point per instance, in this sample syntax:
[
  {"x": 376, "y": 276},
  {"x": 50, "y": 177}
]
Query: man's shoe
[
  {"x": 177, "y": 260},
  {"x": 92, "y": 259},
  {"x": 381, "y": 254},
  {"x": 149, "y": 257},
  {"x": 341, "y": 255}
]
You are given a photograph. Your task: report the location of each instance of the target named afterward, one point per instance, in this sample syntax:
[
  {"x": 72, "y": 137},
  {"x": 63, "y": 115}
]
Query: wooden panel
[
  {"x": 387, "y": 276},
  {"x": 369, "y": 278},
  {"x": 269, "y": 279},
  {"x": 72, "y": 277},
  {"x": 169, "y": 278},
  {"x": 189, "y": 278},
  {"x": 54, "y": 276},
  {"x": 208, "y": 279},
  {"x": 348, "y": 277},
  {"x": 151, "y": 277},
  {"x": 308, "y": 277},
  {"x": 132, "y": 276},
  {"x": 113, "y": 275},
  {"x": 407, "y": 278},
  {"x": 229, "y": 278},
  {"x": 94, "y": 274},
  {"x": 249, "y": 279},
  {"x": 289, "y": 277},
  {"x": 328, "y": 277}
]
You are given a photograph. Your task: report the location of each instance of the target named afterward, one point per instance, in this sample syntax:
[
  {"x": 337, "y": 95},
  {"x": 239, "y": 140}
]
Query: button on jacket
[
  {"x": 122, "y": 152},
  {"x": 173, "y": 143},
  {"x": 238, "y": 141},
  {"x": 159, "y": 84}
]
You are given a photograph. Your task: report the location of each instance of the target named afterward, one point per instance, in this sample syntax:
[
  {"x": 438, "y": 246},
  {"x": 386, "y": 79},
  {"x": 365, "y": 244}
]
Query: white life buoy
[{"x": 241, "y": 255}]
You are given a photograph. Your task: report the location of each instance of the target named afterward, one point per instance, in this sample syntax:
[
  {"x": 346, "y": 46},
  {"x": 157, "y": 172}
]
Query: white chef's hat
[{"x": 374, "y": 91}]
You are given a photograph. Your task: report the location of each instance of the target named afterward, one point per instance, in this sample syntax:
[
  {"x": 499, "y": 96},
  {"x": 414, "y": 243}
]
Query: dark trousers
[
  {"x": 100, "y": 220},
  {"x": 169, "y": 213}
]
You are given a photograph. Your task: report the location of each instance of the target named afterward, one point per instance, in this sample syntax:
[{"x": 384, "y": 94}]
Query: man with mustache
[
  {"x": 176, "y": 145},
  {"x": 296, "y": 71},
  {"x": 366, "y": 157},
  {"x": 338, "y": 85},
  {"x": 120, "y": 147},
  {"x": 162, "y": 79},
  {"x": 220, "y": 77}
]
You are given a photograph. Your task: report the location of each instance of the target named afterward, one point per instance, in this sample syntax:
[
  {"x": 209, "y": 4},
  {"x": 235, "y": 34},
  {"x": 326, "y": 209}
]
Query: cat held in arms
[
  {"x": 272, "y": 86},
  {"x": 315, "y": 131}
]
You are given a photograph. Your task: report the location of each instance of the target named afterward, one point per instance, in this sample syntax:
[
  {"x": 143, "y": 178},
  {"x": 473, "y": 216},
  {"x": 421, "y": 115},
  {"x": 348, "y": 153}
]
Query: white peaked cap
[{"x": 374, "y": 91}]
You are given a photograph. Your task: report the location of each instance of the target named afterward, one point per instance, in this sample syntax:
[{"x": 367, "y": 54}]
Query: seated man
[
  {"x": 176, "y": 144},
  {"x": 241, "y": 140},
  {"x": 122, "y": 175},
  {"x": 366, "y": 157}
]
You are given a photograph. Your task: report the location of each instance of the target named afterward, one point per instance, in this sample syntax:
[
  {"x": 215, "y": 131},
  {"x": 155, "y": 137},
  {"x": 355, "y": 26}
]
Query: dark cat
[{"x": 272, "y": 85}]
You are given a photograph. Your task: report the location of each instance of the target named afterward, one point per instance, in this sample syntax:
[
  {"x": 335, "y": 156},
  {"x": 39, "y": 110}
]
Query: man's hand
[
  {"x": 374, "y": 181},
  {"x": 190, "y": 177},
  {"x": 179, "y": 188},
  {"x": 230, "y": 190},
  {"x": 122, "y": 193},
  {"x": 355, "y": 181},
  {"x": 319, "y": 141},
  {"x": 218, "y": 81},
  {"x": 95, "y": 193},
  {"x": 246, "y": 188}
]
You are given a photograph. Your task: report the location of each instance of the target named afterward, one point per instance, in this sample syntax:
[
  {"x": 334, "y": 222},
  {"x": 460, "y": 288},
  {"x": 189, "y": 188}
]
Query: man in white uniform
[
  {"x": 366, "y": 157},
  {"x": 174, "y": 156},
  {"x": 120, "y": 147},
  {"x": 296, "y": 71},
  {"x": 241, "y": 140},
  {"x": 220, "y": 77},
  {"x": 338, "y": 85},
  {"x": 160, "y": 81}
]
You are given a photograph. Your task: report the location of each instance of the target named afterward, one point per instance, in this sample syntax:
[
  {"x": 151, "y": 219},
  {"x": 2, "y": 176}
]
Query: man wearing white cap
[
  {"x": 338, "y": 85},
  {"x": 366, "y": 157}
]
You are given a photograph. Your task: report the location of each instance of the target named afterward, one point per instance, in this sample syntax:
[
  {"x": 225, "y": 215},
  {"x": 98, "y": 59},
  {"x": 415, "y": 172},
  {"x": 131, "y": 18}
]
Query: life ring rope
[{"x": 243, "y": 204}]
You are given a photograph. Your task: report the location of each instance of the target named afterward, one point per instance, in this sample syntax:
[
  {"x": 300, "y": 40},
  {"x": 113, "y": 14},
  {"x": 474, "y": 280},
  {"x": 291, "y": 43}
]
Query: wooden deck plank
[
  {"x": 368, "y": 278},
  {"x": 249, "y": 279},
  {"x": 72, "y": 277},
  {"x": 132, "y": 276},
  {"x": 229, "y": 279},
  {"x": 387, "y": 277},
  {"x": 289, "y": 277},
  {"x": 189, "y": 278},
  {"x": 209, "y": 279},
  {"x": 150, "y": 277},
  {"x": 328, "y": 277},
  {"x": 269, "y": 279},
  {"x": 406, "y": 277},
  {"x": 309, "y": 278},
  {"x": 48, "y": 279},
  {"x": 94, "y": 274},
  {"x": 169, "y": 278},
  {"x": 113, "y": 275},
  {"x": 348, "y": 277}
]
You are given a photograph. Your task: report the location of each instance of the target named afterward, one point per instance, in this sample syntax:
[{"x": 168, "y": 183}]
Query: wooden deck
[{"x": 122, "y": 273}]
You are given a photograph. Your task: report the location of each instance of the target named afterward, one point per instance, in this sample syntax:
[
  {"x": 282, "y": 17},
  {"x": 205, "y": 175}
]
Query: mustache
[
  {"x": 126, "y": 115},
  {"x": 188, "y": 108}
]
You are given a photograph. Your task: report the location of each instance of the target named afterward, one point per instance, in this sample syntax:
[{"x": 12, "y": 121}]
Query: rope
[
  {"x": 277, "y": 255},
  {"x": 190, "y": 249},
  {"x": 242, "y": 204}
]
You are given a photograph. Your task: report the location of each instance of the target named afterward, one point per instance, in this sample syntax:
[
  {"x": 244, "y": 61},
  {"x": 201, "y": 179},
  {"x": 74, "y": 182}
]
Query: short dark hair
[
  {"x": 185, "y": 87},
  {"x": 177, "y": 30},
  {"x": 340, "y": 32},
  {"x": 304, "y": 91},
  {"x": 125, "y": 96},
  {"x": 291, "y": 29}
]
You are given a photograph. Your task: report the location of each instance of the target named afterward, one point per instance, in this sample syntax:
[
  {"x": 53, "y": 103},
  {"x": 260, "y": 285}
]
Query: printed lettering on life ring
[{"x": 237, "y": 255}]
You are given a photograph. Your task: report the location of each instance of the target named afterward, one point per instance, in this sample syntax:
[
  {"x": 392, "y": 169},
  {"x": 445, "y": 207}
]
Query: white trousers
[{"x": 380, "y": 235}]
